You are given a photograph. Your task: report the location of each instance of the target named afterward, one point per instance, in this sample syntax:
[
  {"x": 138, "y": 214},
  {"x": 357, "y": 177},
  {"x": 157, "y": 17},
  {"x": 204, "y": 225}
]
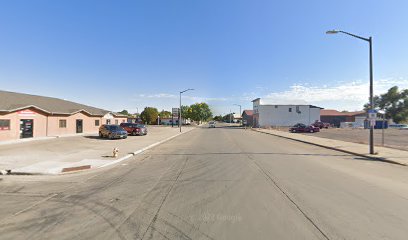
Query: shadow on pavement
[
  {"x": 230, "y": 127},
  {"x": 377, "y": 160},
  {"x": 97, "y": 138}
]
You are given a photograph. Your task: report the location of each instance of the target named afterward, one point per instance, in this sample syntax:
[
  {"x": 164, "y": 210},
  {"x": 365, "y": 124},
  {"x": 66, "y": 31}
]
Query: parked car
[
  {"x": 112, "y": 131},
  {"x": 321, "y": 124},
  {"x": 211, "y": 124},
  {"x": 398, "y": 126},
  {"x": 300, "y": 127},
  {"x": 134, "y": 128}
]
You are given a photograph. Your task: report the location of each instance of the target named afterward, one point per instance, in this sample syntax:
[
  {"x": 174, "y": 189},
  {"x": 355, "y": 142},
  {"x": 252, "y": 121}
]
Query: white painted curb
[{"x": 143, "y": 149}]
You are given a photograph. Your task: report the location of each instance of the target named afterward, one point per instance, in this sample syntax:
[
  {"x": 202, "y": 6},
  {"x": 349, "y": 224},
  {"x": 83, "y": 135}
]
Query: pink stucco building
[{"x": 26, "y": 116}]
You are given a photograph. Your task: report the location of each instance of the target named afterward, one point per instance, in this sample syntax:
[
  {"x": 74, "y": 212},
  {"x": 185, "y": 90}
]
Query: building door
[
  {"x": 26, "y": 128},
  {"x": 79, "y": 126}
]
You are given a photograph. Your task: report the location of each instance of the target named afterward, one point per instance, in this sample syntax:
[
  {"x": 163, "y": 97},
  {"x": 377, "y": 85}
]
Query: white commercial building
[{"x": 271, "y": 115}]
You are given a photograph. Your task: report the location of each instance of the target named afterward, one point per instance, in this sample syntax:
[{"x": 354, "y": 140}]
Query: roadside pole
[
  {"x": 383, "y": 131},
  {"x": 190, "y": 89}
]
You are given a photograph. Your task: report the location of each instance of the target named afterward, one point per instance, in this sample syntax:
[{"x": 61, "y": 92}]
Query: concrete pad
[{"x": 53, "y": 155}]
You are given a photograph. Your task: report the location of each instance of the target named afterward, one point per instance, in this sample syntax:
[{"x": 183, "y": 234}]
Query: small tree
[
  {"x": 218, "y": 118},
  {"x": 200, "y": 112},
  {"x": 186, "y": 112},
  {"x": 149, "y": 115},
  {"x": 165, "y": 114},
  {"x": 124, "y": 112},
  {"x": 394, "y": 103}
]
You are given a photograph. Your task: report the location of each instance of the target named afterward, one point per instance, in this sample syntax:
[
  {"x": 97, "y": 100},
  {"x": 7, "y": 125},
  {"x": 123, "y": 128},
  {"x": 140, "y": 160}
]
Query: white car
[
  {"x": 398, "y": 126},
  {"x": 211, "y": 124}
]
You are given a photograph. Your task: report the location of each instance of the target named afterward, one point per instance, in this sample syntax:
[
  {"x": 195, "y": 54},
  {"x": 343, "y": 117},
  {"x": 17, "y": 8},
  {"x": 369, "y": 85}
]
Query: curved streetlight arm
[
  {"x": 350, "y": 34},
  {"x": 190, "y": 89},
  {"x": 356, "y": 36}
]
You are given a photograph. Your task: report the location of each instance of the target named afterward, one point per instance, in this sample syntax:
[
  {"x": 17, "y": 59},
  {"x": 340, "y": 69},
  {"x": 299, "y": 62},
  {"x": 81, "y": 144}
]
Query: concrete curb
[{"x": 334, "y": 148}]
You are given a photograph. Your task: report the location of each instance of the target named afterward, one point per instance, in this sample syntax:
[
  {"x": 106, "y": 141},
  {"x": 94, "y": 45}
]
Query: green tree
[
  {"x": 165, "y": 114},
  {"x": 186, "y": 112},
  {"x": 124, "y": 112},
  {"x": 200, "y": 112},
  {"x": 228, "y": 118},
  {"x": 149, "y": 115},
  {"x": 218, "y": 118},
  {"x": 394, "y": 103}
]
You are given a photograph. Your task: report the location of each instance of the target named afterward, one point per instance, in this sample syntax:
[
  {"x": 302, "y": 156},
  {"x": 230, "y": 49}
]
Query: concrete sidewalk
[
  {"x": 59, "y": 155},
  {"x": 382, "y": 153}
]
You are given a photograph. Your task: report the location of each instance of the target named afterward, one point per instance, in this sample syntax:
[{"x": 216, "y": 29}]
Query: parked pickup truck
[{"x": 321, "y": 124}]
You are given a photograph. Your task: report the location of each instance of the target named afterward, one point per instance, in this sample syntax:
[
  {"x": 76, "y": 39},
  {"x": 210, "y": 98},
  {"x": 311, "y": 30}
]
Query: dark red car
[
  {"x": 134, "y": 128},
  {"x": 302, "y": 128},
  {"x": 321, "y": 124}
]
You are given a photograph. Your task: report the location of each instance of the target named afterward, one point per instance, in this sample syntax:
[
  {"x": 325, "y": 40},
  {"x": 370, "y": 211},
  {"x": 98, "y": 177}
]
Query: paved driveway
[{"x": 73, "y": 149}]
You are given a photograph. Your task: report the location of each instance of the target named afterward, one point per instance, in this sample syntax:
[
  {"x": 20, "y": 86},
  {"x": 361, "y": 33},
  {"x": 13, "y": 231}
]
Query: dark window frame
[
  {"x": 64, "y": 125},
  {"x": 5, "y": 124},
  {"x": 97, "y": 123}
]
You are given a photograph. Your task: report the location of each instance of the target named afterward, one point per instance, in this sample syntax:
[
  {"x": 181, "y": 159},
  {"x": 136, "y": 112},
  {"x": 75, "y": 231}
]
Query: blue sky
[{"x": 131, "y": 54}]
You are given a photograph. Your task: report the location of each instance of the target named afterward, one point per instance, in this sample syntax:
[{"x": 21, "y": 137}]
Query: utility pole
[
  {"x": 180, "y": 106},
  {"x": 240, "y": 111}
]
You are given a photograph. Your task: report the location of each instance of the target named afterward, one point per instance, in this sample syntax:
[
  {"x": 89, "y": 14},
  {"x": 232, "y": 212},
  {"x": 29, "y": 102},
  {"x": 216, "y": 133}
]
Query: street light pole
[
  {"x": 180, "y": 106},
  {"x": 240, "y": 113},
  {"x": 370, "y": 41}
]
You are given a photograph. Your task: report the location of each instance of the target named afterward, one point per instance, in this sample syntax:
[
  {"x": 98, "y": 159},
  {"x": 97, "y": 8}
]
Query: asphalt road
[{"x": 222, "y": 183}]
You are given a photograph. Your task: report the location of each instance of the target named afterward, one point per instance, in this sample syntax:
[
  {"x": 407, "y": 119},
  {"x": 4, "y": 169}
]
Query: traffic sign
[
  {"x": 175, "y": 112},
  {"x": 372, "y": 115}
]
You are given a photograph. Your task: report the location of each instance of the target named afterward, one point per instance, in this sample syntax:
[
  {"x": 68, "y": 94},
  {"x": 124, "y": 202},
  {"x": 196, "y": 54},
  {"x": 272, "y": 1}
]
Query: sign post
[
  {"x": 372, "y": 117},
  {"x": 174, "y": 113}
]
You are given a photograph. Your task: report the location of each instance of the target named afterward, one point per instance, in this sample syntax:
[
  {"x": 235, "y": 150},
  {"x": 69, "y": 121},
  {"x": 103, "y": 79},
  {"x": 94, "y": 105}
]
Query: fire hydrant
[{"x": 115, "y": 152}]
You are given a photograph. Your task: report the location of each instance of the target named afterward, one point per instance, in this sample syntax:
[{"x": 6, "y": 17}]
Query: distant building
[
  {"x": 247, "y": 117},
  {"x": 335, "y": 118},
  {"x": 269, "y": 115},
  {"x": 168, "y": 121},
  {"x": 27, "y": 116}
]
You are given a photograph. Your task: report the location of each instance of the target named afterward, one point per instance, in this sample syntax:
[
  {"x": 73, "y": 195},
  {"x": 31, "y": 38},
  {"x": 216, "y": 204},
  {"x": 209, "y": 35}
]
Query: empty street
[{"x": 214, "y": 183}]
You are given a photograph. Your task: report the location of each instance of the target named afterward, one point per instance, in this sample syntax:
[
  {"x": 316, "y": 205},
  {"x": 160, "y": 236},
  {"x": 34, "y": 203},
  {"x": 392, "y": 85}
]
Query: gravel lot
[{"x": 393, "y": 138}]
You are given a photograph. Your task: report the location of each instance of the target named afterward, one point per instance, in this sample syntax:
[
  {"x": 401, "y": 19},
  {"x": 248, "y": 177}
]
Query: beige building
[{"x": 26, "y": 116}]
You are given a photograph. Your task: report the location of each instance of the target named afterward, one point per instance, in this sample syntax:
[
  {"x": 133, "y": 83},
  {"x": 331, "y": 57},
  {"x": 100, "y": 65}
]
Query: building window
[
  {"x": 290, "y": 109},
  {"x": 107, "y": 121},
  {"x": 63, "y": 123},
  {"x": 4, "y": 124},
  {"x": 123, "y": 120},
  {"x": 97, "y": 123},
  {"x": 276, "y": 106},
  {"x": 116, "y": 121}
]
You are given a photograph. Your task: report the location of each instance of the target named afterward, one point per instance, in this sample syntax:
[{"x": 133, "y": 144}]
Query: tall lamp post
[
  {"x": 240, "y": 113},
  {"x": 370, "y": 41},
  {"x": 180, "y": 106}
]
